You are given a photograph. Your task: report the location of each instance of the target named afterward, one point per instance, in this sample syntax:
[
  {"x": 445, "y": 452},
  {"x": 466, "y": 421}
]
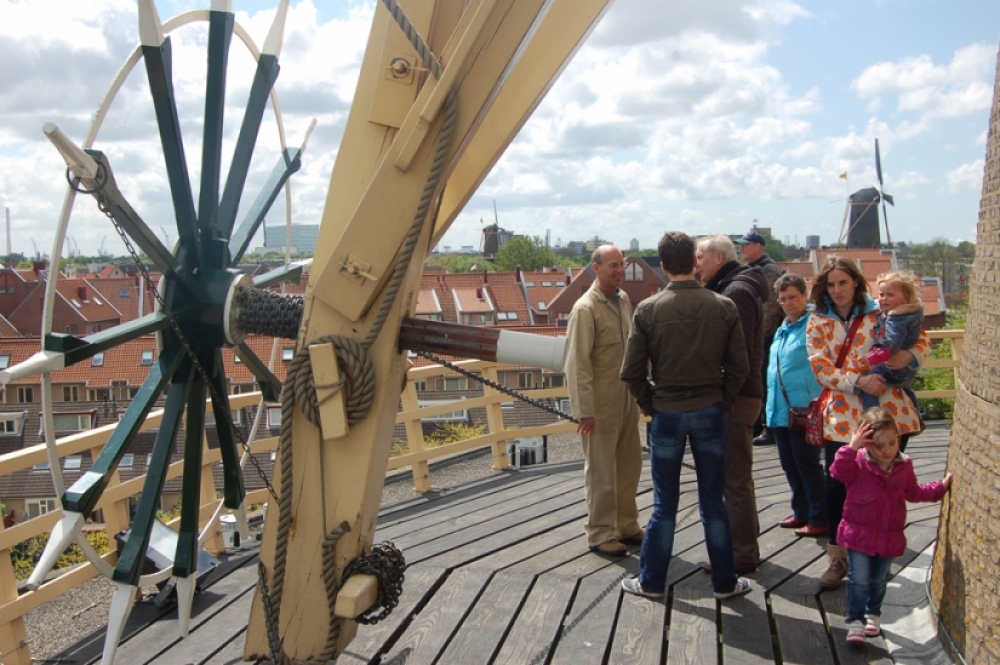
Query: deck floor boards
[{"x": 499, "y": 572}]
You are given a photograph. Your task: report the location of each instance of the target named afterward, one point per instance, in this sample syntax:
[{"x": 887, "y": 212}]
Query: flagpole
[{"x": 847, "y": 207}]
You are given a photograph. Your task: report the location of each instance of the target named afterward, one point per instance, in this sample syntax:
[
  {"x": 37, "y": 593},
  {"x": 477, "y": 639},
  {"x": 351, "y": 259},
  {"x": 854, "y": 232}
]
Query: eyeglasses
[{"x": 782, "y": 301}]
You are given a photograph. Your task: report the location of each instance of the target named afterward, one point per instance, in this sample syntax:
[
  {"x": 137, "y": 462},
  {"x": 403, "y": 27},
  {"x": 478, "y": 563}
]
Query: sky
[{"x": 697, "y": 116}]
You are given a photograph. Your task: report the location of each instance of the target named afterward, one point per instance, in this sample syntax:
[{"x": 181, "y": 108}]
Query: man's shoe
[
  {"x": 765, "y": 439},
  {"x": 742, "y": 587},
  {"x": 792, "y": 522},
  {"x": 631, "y": 585},
  {"x": 810, "y": 531},
  {"x": 742, "y": 567},
  {"x": 634, "y": 539},
  {"x": 610, "y": 548}
]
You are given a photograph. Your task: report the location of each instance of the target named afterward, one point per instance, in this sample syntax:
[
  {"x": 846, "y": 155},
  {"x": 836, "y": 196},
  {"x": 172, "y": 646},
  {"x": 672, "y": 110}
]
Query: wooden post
[
  {"x": 13, "y": 638},
  {"x": 214, "y": 543},
  {"x": 415, "y": 439},
  {"x": 115, "y": 515},
  {"x": 494, "y": 420}
]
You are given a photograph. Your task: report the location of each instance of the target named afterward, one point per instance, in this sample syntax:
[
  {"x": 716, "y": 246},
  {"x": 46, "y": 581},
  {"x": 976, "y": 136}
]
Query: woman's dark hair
[
  {"x": 789, "y": 280},
  {"x": 676, "y": 252},
  {"x": 818, "y": 293}
]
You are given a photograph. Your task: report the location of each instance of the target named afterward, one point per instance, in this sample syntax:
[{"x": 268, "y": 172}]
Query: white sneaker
[
  {"x": 855, "y": 632},
  {"x": 742, "y": 587},
  {"x": 873, "y": 625},
  {"x": 631, "y": 585}
]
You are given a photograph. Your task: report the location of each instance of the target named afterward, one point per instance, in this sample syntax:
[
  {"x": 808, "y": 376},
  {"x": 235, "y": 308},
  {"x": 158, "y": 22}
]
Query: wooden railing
[{"x": 115, "y": 500}]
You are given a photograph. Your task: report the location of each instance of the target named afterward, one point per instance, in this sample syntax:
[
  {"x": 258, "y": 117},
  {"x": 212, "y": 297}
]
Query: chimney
[
  {"x": 569, "y": 277},
  {"x": 38, "y": 266},
  {"x": 479, "y": 293},
  {"x": 81, "y": 292},
  {"x": 517, "y": 274}
]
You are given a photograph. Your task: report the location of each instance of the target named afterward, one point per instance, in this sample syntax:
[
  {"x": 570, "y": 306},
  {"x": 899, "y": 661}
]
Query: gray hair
[
  {"x": 598, "y": 255},
  {"x": 719, "y": 244},
  {"x": 789, "y": 280}
]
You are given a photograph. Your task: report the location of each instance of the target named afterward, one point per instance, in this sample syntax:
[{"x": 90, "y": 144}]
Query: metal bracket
[{"x": 357, "y": 270}]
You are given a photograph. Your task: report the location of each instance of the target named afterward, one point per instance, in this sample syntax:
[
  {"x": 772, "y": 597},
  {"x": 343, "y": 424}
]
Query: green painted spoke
[
  {"x": 220, "y": 33},
  {"x": 83, "y": 495},
  {"x": 267, "y": 73},
  {"x": 270, "y": 386},
  {"x": 186, "y": 557},
  {"x": 289, "y": 162},
  {"x": 158, "y": 61},
  {"x": 287, "y": 273},
  {"x": 130, "y": 562},
  {"x": 232, "y": 475},
  {"x": 76, "y": 349}
]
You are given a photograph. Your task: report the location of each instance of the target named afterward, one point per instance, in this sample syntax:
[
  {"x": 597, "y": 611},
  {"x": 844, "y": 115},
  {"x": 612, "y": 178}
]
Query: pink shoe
[
  {"x": 878, "y": 355},
  {"x": 856, "y": 632}
]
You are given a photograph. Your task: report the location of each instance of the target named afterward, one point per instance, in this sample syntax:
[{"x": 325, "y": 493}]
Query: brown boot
[{"x": 837, "y": 569}]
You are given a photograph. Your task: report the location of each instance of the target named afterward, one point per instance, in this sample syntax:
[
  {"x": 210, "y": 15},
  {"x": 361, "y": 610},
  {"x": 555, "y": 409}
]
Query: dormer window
[
  {"x": 147, "y": 357},
  {"x": 97, "y": 360}
]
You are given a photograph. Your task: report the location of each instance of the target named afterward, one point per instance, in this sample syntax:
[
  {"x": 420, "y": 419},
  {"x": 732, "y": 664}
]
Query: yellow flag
[{"x": 843, "y": 176}]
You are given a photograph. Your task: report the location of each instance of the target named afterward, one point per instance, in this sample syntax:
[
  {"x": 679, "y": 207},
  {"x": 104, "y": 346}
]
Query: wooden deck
[{"x": 499, "y": 572}]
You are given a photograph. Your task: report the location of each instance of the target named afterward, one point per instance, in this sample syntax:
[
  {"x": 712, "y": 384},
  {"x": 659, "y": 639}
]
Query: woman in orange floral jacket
[{"x": 840, "y": 294}]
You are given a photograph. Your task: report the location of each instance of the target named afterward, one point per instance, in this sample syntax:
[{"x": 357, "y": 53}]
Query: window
[
  {"x": 237, "y": 416},
  {"x": 529, "y": 284},
  {"x": 4, "y": 360},
  {"x": 274, "y": 417},
  {"x": 236, "y": 358},
  {"x": 525, "y": 380},
  {"x": 98, "y": 301},
  {"x": 460, "y": 414},
  {"x": 77, "y": 303},
  {"x": 72, "y": 422},
  {"x": 456, "y": 383},
  {"x": 124, "y": 293},
  {"x": 147, "y": 357},
  {"x": 563, "y": 404},
  {"x": 97, "y": 360},
  {"x": 560, "y": 283},
  {"x": 128, "y": 459},
  {"x": 512, "y": 316},
  {"x": 10, "y": 426},
  {"x": 554, "y": 380},
  {"x": 547, "y": 283},
  {"x": 71, "y": 330},
  {"x": 542, "y": 306},
  {"x": 39, "y": 507},
  {"x": 633, "y": 272},
  {"x": 71, "y": 393},
  {"x": 274, "y": 453},
  {"x": 501, "y": 316},
  {"x": 25, "y": 395},
  {"x": 41, "y": 466},
  {"x": 420, "y": 385},
  {"x": 72, "y": 463},
  {"x": 98, "y": 394},
  {"x": 507, "y": 405},
  {"x": 287, "y": 353},
  {"x": 149, "y": 459}
]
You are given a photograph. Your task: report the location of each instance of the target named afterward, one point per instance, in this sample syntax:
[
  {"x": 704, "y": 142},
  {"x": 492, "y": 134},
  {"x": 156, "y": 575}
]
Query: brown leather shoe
[
  {"x": 610, "y": 548},
  {"x": 635, "y": 538},
  {"x": 810, "y": 531},
  {"x": 742, "y": 567}
]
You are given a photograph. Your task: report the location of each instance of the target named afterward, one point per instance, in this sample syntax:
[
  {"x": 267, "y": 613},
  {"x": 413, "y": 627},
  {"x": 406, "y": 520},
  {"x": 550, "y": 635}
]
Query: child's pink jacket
[{"x": 875, "y": 508}]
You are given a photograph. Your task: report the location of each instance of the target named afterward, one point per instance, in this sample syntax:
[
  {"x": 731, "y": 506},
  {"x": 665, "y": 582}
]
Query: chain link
[
  {"x": 105, "y": 205},
  {"x": 497, "y": 386},
  {"x": 386, "y": 563}
]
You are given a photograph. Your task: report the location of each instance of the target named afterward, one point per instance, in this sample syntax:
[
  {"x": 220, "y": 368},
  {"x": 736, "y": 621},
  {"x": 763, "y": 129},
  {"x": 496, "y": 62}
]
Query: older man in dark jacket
[{"x": 719, "y": 271}]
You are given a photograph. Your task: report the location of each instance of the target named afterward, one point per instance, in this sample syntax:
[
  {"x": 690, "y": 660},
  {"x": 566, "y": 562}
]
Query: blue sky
[{"x": 692, "y": 115}]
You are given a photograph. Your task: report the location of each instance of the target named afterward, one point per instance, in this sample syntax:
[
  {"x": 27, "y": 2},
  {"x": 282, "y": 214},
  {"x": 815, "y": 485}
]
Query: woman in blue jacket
[{"x": 791, "y": 382}]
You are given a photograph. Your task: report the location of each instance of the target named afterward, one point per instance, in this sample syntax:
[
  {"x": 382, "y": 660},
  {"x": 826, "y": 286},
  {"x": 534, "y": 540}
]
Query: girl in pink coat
[{"x": 879, "y": 480}]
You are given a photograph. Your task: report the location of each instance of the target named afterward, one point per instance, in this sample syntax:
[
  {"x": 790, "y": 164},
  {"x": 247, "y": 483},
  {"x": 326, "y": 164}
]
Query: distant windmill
[{"x": 862, "y": 211}]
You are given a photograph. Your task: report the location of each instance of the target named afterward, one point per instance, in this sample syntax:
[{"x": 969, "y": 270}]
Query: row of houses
[{"x": 97, "y": 392}]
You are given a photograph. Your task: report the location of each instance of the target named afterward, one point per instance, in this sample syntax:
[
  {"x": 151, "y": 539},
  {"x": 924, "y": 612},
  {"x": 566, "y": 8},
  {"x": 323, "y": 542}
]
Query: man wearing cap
[
  {"x": 752, "y": 248},
  {"x": 599, "y": 326}
]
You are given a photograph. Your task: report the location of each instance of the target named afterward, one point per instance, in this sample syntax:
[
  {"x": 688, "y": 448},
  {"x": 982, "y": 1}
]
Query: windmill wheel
[{"x": 199, "y": 299}]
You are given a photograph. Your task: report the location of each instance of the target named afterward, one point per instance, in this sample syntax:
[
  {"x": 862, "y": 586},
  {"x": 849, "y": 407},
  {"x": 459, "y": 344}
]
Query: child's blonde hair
[
  {"x": 905, "y": 280},
  {"x": 881, "y": 420}
]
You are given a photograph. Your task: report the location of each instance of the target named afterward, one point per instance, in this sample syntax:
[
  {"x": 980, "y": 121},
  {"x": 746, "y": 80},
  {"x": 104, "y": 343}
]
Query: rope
[{"x": 416, "y": 40}]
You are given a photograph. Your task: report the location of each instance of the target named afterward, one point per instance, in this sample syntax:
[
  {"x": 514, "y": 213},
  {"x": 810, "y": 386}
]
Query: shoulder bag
[
  {"x": 817, "y": 407},
  {"x": 798, "y": 416}
]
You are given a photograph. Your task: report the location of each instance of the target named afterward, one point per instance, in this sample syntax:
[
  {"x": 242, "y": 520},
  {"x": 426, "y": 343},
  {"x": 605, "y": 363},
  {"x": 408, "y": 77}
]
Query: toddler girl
[
  {"x": 879, "y": 480},
  {"x": 900, "y": 318}
]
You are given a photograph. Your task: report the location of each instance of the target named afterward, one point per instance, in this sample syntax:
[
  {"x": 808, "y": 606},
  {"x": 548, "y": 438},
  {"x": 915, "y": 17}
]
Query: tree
[{"x": 526, "y": 253}]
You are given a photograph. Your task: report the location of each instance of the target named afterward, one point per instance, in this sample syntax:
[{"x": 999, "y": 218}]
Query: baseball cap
[{"x": 752, "y": 236}]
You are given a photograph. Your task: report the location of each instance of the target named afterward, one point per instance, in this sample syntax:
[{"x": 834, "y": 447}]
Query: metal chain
[
  {"x": 105, "y": 206},
  {"x": 497, "y": 386},
  {"x": 386, "y": 563},
  {"x": 269, "y": 313}
]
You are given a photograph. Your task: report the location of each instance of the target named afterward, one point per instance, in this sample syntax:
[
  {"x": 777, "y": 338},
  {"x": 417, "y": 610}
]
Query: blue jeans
[
  {"x": 804, "y": 472},
  {"x": 669, "y": 431},
  {"x": 866, "y": 582}
]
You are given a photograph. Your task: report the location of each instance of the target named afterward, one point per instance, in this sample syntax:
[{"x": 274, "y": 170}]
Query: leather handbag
[
  {"x": 798, "y": 416},
  {"x": 817, "y": 407}
]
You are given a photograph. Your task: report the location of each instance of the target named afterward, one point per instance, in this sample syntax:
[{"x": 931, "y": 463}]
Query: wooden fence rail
[{"x": 115, "y": 501}]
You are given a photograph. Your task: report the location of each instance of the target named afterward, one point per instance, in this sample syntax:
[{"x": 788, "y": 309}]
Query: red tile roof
[
  {"x": 88, "y": 302},
  {"x": 8, "y": 330},
  {"x": 123, "y": 294}
]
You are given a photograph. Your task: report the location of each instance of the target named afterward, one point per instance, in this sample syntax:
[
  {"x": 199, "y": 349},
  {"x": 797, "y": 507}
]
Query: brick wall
[{"x": 966, "y": 577}]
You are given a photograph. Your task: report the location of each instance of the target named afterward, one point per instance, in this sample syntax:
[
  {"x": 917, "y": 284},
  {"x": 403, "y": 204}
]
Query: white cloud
[{"x": 966, "y": 177}]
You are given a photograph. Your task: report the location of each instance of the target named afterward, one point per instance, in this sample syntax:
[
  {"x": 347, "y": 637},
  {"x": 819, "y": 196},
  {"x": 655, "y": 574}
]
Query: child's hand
[
  {"x": 862, "y": 436},
  {"x": 947, "y": 482}
]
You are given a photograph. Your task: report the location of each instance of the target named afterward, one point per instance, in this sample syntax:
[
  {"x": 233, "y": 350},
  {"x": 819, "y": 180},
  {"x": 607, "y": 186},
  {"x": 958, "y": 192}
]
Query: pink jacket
[{"x": 875, "y": 509}]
